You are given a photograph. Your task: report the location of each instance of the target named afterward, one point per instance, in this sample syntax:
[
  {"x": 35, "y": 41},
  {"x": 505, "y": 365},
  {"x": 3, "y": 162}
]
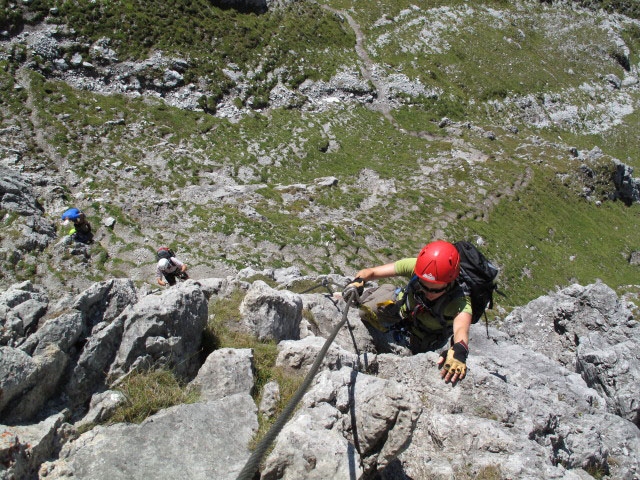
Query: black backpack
[
  {"x": 477, "y": 279},
  {"x": 165, "y": 252}
]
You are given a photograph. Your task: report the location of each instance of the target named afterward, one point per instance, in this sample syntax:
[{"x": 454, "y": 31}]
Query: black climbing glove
[
  {"x": 454, "y": 360},
  {"x": 355, "y": 289}
]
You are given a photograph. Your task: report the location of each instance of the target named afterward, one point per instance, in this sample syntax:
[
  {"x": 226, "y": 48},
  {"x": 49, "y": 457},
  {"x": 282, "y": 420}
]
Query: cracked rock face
[
  {"x": 349, "y": 424},
  {"x": 551, "y": 395}
]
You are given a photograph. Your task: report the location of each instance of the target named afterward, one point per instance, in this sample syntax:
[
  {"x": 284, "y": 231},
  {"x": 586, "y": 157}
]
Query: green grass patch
[
  {"x": 149, "y": 392},
  {"x": 288, "y": 382},
  {"x": 546, "y": 236}
]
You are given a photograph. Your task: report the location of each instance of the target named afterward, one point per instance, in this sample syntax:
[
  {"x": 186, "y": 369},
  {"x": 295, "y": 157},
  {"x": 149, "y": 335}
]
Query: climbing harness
[{"x": 249, "y": 469}]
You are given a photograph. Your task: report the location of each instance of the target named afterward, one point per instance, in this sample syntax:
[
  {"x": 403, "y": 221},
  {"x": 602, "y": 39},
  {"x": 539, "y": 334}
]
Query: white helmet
[{"x": 163, "y": 263}]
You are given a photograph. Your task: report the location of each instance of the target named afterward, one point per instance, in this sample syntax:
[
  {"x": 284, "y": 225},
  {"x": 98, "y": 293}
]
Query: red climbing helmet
[{"x": 438, "y": 262}]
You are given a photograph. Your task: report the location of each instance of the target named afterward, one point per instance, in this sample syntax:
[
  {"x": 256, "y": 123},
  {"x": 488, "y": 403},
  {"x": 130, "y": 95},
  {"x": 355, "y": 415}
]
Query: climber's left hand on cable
[
  {"x": 355, "y": 288},
  {"x": 454, "y": 362}
]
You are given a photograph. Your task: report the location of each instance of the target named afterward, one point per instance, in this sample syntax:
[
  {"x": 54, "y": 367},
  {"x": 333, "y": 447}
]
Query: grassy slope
[{"x": 78, "y": 129}]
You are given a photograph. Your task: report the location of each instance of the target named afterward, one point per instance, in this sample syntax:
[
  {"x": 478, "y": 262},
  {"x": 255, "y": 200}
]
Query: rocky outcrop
[
  {"x": 589, "y": 331},
  {"x": 33, "y": 232},
  {"x": 21, "y": 307},
  {"x": 24, "y": 447},
  {"x": 551, "y": 394},
  {"x": 603, "y": 177},
  {"x": 27, "y": 382},
  {"x": 197, "y": 441},
  {"x": 16, "y": 195},
  {"x": 271, "y": 314},
  {"x": 163, "y": 330},
  {"x": 518, "y": 414},
  {"x": 349, "y": 425}
]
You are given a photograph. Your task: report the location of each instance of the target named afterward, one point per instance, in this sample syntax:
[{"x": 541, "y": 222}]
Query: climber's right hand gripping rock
[{"x": 454, "y": 362}]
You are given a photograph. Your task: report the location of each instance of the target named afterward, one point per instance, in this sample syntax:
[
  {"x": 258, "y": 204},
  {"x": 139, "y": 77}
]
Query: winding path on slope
[
  {"x": 382, "y": 104},
  {"x": 369, "y": 71}
]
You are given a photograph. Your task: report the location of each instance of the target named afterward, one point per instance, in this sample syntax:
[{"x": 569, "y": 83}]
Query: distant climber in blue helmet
[{"x": 81, "y": 229}]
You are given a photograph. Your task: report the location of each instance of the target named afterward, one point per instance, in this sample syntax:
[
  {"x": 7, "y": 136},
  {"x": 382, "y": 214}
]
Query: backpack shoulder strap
[
  {"x": 444, "y": 300},
  {"x": 438, "y": 307}
]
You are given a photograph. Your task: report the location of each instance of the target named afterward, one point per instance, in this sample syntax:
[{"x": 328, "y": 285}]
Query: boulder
[
  {"x": 197, "y": 441},
  {"x": 627, "y": 187},
  {"x": 349, "y": 425},
  {"x": 225, "y": 372},
  {"x": 213, "y": 286},
  {"x": 163, "y": 330},
  {"x": 271, "y": 314}
]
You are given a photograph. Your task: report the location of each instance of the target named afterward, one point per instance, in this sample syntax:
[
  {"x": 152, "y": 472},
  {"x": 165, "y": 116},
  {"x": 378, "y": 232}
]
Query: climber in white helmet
[{"x": 170, "y": 268}]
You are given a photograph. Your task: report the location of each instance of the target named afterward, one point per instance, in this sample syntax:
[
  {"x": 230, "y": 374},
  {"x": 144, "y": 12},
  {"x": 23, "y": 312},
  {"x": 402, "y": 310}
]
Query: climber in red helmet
[{"x": 430, "y": 308}]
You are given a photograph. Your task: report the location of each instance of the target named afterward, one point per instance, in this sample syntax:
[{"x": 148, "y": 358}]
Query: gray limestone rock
[
  {"x": 213, "y": 286},
  {"x": 104, "y": 301},
  {"x": 271, "y": 314},
  {"x": 627, "y": 186},
  {"x": 89, "y": 371},
  {"x": 197, "y": 441},
  {"x": 590, "y": 331},
  {"x": 17, "y": 373},
  {"x": 102, "y": 406},
  {"x": 24, "y": 447},
  {"x": 300, "y": 354},
  {"x": 323, "y": 313},
  {"x": 554, "y": 324},
  {"x": 21, "y": 307},
  {"x": 614, "y": 371},
  {"x": 226, "y": 371},
  {"x": 517, "y": 414},
  {"x": 163, "y": 329},
  {"x": 16, "y": 194},
  {"x": 62, "y": 331},
  {"x": 270, "y": 399},
  {"x": 349, "y": 425},
  {"x": 28, "y": 382}
]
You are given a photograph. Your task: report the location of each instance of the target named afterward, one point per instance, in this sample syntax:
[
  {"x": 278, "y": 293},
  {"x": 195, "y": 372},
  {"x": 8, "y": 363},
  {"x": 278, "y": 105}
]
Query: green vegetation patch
[
  {"x": 209, "y": 36},
  {"x": 546, "y": 236},
  {"x": 149, "y": 392}
]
